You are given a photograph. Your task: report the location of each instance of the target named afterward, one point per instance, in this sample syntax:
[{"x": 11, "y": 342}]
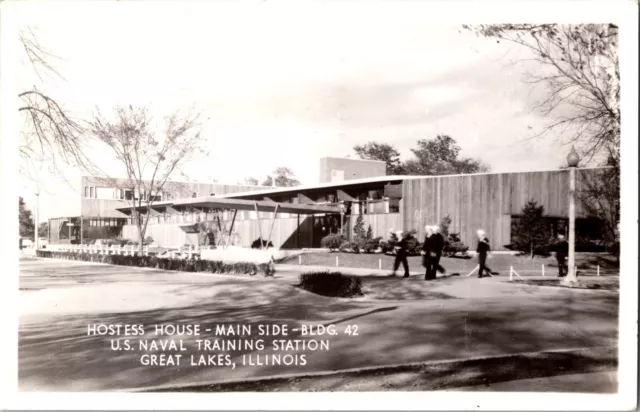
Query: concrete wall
[{"x": 350, "y": 168}]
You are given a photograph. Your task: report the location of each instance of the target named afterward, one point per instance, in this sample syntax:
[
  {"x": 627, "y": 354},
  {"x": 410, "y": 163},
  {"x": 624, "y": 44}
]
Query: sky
[{"x": 282, "y": 86}]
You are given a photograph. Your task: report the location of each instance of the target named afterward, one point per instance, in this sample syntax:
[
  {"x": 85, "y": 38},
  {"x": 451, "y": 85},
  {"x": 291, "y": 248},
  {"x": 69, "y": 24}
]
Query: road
[{"x": 397, "y": 321}]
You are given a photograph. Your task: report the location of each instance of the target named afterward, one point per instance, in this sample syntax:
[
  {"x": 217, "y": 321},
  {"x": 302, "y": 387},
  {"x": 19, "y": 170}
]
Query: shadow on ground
[{"x": 55, "y": 352}]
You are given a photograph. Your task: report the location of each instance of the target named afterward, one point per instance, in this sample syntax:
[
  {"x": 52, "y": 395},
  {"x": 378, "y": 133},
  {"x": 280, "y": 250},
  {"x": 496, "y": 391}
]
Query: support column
[
  {"x": 233, "y": 221},
  {"x": 273, "y": 223}
]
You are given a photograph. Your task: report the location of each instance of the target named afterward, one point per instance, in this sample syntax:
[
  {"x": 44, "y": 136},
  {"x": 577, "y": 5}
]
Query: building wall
[
  {"x": 93, "y": 207},
  {"x": 288, "y": 233},
  {"x": 485, "y": 201},
  {"x": 350, "y": 168}
]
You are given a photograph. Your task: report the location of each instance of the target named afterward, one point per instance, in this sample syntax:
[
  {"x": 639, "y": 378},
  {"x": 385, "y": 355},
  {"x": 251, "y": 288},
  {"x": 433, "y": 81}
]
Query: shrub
[
  {"x": 333, "y": 284},
  {"x": 453, "y": 246},
  {"x": 185, "y": 265},
  {"x": 148, "y": 240},
  {"x": 414, "y": 246},
  {"x": 256, "y": 243},
  {"x": 332, "y": 241},
  {"x": 345, "y": 246}
]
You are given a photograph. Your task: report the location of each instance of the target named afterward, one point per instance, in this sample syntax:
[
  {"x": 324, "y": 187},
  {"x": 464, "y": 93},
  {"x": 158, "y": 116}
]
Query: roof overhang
[{"x": 212, "y": 202}]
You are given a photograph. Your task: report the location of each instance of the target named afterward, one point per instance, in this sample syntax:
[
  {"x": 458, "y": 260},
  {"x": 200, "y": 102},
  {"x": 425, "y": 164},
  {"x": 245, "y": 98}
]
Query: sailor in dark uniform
[
  {"x": 401, "y": 255},
  {"x": 433, "y": 252},
  {"x": 562, "y": 250},
  {"x": 483, "y": 250}
]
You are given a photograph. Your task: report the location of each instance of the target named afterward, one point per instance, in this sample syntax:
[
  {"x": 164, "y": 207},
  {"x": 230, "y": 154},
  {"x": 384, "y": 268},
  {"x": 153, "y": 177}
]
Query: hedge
[
  {"x": 333, "y": 284},
  {"x": 183, "y": 265}
]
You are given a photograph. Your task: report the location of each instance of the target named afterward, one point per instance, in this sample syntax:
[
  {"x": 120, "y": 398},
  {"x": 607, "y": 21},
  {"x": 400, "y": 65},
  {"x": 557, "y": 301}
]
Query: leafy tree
[
  {"x": 579, "y": 69},
  {"x": 383, "y": 152},
  {"x": 251, "y": 181},
  {"x": 284, "y": 177},
  {"x": 43, "y": 229},
  {"x": 27, "y": 226},
  {"x": 150, "y": 156},
  {"x": 441, "y": 156},
  {"x": 531, "y": 232}
]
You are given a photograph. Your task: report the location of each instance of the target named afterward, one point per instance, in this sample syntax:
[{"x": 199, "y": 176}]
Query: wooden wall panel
[{"x": 487, "y": 201}]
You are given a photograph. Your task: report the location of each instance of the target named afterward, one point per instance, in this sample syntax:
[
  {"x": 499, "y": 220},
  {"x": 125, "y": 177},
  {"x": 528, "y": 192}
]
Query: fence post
[
  {"x": 510, "y": 273},
  {"x": 598, "y": 270},
  {"x": 337, "y": 261},
  {"x": 299, "y": 259},
  {"x": 543, "y": 270},
  {"x": 380, "y": 264}
]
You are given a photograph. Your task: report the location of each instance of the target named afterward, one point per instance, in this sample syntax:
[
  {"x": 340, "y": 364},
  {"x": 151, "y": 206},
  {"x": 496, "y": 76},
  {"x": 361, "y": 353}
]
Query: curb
[{"x": 369, "y": 369}]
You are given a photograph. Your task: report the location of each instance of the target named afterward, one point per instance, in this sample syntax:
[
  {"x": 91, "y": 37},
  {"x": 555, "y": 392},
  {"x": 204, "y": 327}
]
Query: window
[
  {"x": 86, "y": 191},
  {"x": 212, "y": 194},
  {"x": 92, "y": 193},
  {"x": 128, "y": 194},
  {"x": 155, "y": 198}
]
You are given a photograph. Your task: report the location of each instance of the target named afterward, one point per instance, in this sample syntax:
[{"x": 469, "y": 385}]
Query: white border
[{"x": 622, "y": 12}]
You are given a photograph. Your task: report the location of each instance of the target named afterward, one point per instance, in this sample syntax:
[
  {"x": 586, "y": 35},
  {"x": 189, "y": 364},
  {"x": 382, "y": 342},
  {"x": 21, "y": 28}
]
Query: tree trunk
[{"x": 531, "y": 249}]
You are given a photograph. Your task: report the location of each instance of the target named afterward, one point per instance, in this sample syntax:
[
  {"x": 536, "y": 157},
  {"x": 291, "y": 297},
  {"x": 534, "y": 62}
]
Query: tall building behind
[{"x": 337, "y": 169}]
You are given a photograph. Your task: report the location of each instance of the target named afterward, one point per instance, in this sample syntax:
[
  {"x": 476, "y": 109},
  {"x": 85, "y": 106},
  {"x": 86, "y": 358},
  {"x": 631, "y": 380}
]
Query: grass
[
  {"x": 602, "y": 283},
  {"x": 587, "y": 263}
]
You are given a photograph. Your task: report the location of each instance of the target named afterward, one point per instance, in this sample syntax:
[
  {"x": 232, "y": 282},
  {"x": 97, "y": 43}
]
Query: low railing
[{"x": 192, "y": 252}]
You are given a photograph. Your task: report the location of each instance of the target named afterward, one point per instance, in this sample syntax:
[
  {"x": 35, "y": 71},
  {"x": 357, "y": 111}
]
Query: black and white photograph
[{"x": 344, "y": 205}]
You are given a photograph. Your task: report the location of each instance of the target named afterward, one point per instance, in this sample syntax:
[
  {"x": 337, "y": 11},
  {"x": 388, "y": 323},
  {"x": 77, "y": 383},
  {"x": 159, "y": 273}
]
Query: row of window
[
  {"x": 111, "y": 193},
  {"x": 105, "y": 222}
]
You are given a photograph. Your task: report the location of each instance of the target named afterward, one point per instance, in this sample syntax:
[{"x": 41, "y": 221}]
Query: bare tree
[
  {"x": 150, "y": 157},
  {"x": 50, "y": 133},
  {"x": 578, "y": 65}
]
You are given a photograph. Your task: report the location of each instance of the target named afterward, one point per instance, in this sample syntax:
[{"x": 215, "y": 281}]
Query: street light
[
  {"x": 342, "y": 210},
  {"x": 37, "y": 217},
  {"x": 572, "y": 162}
]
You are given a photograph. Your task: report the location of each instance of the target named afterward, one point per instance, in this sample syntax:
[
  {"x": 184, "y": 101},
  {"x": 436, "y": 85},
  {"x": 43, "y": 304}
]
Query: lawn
[{"x": 587, "y": 263}]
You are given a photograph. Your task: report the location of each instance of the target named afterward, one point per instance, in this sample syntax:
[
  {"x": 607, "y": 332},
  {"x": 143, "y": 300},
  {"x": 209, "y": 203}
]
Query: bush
[
  {"x": 184, "y": 265},
  {"x": 414, "y": 246},
  {"x": 333, "y": 284},
  {"x": 256, "y": 243},
  {"x": 345, "y": 246},
  {"x": 366, "y": 245},
  {"x": 332, "y": 241},
  {"x": 453, "y": 246}
]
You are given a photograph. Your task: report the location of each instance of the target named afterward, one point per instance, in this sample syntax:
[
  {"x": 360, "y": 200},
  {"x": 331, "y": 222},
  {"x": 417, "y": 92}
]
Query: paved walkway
[{"x": 398, "y": 321}]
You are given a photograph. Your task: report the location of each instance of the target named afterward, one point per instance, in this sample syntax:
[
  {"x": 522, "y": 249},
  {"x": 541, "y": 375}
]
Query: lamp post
[
  {"x": 342, "y": 209},
  {"x": 36, "y": 236},
  {"x": 572, "y": 162}
]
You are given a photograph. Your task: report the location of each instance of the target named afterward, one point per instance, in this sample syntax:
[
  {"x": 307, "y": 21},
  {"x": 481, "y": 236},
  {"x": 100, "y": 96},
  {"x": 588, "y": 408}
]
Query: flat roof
[{"x": 215, "y": 202}]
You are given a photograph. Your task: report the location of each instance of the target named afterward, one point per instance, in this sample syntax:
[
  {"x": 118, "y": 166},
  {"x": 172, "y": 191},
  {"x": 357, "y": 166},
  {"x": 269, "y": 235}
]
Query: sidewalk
[{"x": 349, "y": 271}]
